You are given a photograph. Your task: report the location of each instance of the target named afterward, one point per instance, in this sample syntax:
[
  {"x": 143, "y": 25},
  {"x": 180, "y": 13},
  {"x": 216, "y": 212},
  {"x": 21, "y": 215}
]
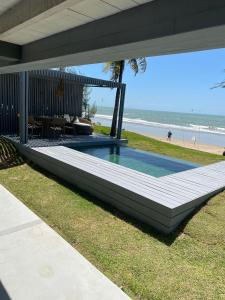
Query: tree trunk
[{"x": 117, "y": 102}]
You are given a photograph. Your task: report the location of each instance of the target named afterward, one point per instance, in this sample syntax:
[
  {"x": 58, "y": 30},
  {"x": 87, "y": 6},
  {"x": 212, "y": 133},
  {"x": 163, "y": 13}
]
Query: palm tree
[
  {"x": 117, "y": 68},
  {"x": 219, "y": 85}
]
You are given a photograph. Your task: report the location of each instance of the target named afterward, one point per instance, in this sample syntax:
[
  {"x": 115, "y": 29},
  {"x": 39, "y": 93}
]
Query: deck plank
[
  {"x": 146, "y": 181},
  {"x": 114, "y": 174},
  {"x": 122, "y": 181}
]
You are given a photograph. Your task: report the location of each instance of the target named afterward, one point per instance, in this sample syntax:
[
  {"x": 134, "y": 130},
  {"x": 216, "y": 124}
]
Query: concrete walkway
[{"x": 37, "y": 263}]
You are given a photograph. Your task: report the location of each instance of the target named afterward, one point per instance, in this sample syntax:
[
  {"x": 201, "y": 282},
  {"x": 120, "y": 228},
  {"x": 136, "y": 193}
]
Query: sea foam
[{"x": 189, "y": 127}]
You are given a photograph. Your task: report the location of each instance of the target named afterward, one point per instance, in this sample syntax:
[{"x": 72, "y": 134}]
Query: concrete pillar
[
  {"x": 121, "y": 109},
  {"x": 23, "y": 99}
]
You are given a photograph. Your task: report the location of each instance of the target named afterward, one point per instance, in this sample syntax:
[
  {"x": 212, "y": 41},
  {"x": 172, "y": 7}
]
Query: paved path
[{"x": 37, "y": 263}]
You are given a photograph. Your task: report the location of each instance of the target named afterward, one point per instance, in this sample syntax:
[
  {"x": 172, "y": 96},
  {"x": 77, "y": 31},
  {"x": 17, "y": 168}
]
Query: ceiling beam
[
  {"x": 155, "y": 28},
  {"x": 27, "y": 11},
  {"x": 153, "y": 20},
  {"x": 9, "y": 52}
]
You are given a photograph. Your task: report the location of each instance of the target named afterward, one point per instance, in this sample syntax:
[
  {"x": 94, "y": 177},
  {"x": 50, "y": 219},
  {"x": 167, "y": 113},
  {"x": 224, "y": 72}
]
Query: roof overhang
[
  {"x": 9, "y": 52},
  {"x": 154, "y": 28}
]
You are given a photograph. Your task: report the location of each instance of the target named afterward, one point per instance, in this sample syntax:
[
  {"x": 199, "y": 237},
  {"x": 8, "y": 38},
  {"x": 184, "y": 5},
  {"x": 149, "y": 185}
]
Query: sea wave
[{"x": 189, "y": 127}]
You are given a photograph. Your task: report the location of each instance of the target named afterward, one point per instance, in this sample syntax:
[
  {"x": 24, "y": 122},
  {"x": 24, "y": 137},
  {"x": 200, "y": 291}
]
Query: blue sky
[{"x": 179, "y": 83}]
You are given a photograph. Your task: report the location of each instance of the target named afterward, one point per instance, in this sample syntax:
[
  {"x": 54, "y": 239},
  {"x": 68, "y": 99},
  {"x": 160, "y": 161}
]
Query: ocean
[{"x": 205, "y": 129}]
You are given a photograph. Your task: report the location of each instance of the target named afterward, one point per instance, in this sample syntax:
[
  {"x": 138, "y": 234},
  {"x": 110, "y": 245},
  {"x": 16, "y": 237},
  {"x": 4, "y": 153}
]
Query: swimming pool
[{"x": 142, "y": 161}]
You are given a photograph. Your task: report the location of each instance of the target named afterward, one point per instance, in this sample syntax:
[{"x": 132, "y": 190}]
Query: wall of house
[{"x": 48, "y": 95}]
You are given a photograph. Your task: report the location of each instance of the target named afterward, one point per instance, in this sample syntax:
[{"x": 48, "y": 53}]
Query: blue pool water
[{"x": 142, "y": 161}]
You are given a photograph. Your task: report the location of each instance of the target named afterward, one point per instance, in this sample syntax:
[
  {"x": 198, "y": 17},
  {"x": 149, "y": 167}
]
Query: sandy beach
[
  {"x": 183, "y": 143},
  {"x": 183, "y": 138}
]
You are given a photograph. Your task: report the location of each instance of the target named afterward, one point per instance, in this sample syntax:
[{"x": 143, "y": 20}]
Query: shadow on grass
[
  {"x": 167, "y": 239},
  {"x": 9, "y": 157}
]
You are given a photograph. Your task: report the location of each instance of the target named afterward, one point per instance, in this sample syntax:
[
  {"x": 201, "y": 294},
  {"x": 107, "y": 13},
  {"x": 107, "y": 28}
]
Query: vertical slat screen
[
  {"x": 9, "y": 103},
  {"x": 43, "y": 100}
]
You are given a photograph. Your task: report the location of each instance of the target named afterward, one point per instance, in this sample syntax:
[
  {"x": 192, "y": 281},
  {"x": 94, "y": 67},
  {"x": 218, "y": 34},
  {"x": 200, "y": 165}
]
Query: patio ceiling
[
  {"x": 40, "y": 19},
  {"x": 42, "y": 34},
  {"x": 6, "y": 4}
]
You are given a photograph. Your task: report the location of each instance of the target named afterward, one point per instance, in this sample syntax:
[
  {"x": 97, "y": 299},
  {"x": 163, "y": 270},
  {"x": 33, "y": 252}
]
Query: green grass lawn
[{"x": 188, "y": 264}]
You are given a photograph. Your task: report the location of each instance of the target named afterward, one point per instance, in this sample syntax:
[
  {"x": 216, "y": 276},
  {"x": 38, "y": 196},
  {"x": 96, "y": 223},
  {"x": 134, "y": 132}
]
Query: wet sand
[{"x": 183, "y": 143}]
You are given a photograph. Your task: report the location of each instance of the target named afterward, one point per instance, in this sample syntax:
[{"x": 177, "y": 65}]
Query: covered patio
[{"x": 44, "y": 108}]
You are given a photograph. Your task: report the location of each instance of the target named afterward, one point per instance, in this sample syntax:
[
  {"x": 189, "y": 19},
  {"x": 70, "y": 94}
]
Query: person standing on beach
[
  {"x": 194, "y": 139},
  {"x": 169, "y": 135}
]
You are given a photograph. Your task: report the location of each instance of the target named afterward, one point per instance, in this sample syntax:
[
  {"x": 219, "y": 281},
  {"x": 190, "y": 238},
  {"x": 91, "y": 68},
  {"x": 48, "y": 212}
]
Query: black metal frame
[{"x": 20, "y": 93}]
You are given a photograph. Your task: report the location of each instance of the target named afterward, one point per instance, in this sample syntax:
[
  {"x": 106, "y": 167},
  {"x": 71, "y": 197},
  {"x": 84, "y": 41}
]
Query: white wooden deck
[{"x": 160, "y": 202}]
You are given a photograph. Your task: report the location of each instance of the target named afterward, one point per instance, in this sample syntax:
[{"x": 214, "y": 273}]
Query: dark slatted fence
[
  {"x": 50, "y": 93},
  {"x": 9, "y": 104}
]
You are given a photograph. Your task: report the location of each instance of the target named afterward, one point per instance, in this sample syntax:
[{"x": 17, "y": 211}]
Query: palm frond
[
  {"x": 107, "y": 66},
  {"x": 114, "y": 68},
  {"x": 134, "y": 65},
  {"x": 142, "y": 62},
  {"x": 138, "y": 64},
  {"x": 219, "y": 85}
]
